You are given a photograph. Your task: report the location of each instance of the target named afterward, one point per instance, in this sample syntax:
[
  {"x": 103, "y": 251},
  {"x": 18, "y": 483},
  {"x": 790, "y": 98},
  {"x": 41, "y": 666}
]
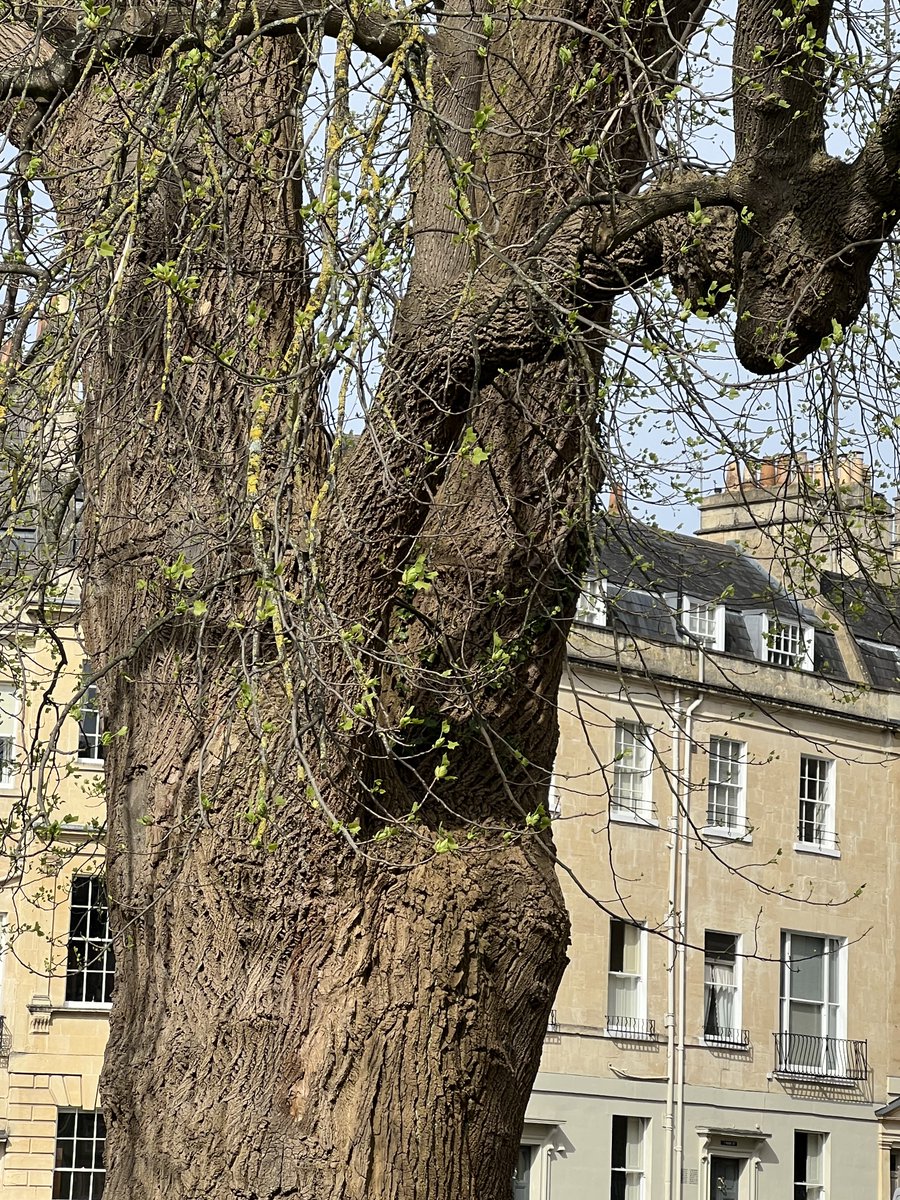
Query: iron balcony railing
[
  {"x": 631, "y": 1027},
  {"x": 737, "y": 1039},
  {"x": 5, "y": 1038},
  {"x": 814, "y": 835},
  {"x": 802, "y": 1056}
]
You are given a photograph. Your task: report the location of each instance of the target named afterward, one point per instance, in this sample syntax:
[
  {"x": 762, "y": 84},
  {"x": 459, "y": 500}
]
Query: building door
[
  {"x": 724, "y": 1178},
  {"x": 521, "y": 1184}
]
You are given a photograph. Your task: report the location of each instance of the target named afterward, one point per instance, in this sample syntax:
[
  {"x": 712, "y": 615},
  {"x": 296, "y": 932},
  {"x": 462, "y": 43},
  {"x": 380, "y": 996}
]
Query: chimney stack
[{"x": 797, "y": 515}]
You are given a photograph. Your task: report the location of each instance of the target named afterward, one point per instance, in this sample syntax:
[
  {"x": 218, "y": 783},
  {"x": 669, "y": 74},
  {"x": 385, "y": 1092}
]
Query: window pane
[
  {"x": 634, "y": 1144},
  {"x": 805, "y": 1019},
  {"x": 806, "y": 976},
  {"x": 81, "y": 1186},
  {"x": 720, "y": 946},
  {"x": 84, "y": 1151},
  {"x": 633, "y": 1188},
  {"x": 815, "y": 1144},
  {"x": 93, "y": 987},
  {"x": 65, "y": 1150},
  {"x": 624, "y": 995},
  {"x": 616, "y": 945},
  {"x": 619, "y": 1139},
  {"x": 631, "y": 949}
]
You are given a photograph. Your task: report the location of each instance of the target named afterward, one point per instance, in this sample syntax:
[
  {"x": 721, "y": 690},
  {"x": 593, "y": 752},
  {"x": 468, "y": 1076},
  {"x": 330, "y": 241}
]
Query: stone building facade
[
  {"x": 729, "y": 837},
  {"x": 728, "y": 818}
]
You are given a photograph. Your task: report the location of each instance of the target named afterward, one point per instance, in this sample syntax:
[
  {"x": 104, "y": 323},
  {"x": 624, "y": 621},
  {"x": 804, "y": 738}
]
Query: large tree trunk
[
  {"x": 331, "y": 669},
  {"x": 303, "y": 1010}
]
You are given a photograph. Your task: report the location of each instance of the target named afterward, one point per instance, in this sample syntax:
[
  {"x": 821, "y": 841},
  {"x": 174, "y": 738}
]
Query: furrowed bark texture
[
  {"x": 321, "y": 1024},
  {"x": 312, "y": 646}
]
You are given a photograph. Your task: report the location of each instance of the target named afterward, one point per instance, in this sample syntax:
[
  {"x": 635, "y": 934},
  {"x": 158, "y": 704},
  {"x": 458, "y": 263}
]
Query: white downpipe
[
  {"x": 684, "y": 838},
  {"x": 671, "y": 930}
]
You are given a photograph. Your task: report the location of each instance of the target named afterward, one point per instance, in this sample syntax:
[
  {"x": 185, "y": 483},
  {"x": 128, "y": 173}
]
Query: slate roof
[
  {"x": 871, "y": 610},
  {"x": 645, "y": 567},
  {"x": 663, "y": 562}
]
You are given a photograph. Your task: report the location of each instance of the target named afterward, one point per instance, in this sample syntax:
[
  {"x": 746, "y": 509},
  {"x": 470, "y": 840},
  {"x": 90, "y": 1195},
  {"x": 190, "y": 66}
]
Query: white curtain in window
[
  {"x": 720, "y": 997},
  {"x": 624, "y": 995},
  {"x": 634, "y": 1159},
  {"x": 9, "y": 720}
]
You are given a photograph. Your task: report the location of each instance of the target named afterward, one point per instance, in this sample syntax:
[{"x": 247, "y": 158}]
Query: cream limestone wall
[
  {"x": 755, "y": 888},
  {"x": 734, "y": 1103},
  {"x": 53, "y": 1049}
]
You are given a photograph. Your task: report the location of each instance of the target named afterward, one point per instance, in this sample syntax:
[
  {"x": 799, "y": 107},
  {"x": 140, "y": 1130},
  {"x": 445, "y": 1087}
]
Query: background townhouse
[{"x": 726, "y": 788}]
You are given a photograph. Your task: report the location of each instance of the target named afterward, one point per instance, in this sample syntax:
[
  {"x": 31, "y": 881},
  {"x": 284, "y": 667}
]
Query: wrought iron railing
[
  {"x": 817, "y": 837},
  {"x": 737, "y": 1039},
  {"x": 638, "y": 1028},
  {"x": 5, "y": 1038},
  {"x": 802, "y": 1056},
  {"x": 725, "y": 826}
]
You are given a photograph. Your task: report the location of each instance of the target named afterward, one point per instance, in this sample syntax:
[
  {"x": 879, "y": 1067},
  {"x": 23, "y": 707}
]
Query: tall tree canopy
[{"x": 321, "y": 297}]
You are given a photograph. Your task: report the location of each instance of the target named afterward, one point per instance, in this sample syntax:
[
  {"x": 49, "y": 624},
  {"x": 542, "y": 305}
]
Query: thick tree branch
[
  {"x": 878, "y": 165},
  {"x": 629, "y": 215},
  {"x": 779, "y": 91},
  {"x": 136, "y": 32}
]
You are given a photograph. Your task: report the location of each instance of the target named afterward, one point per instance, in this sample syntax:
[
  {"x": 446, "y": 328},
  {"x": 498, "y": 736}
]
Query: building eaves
[{"x": 761, "y": 700}]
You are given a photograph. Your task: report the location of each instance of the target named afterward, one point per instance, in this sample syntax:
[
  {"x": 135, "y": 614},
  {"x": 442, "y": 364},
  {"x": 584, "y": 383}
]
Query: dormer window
[
  {"x": 699, "y": 622},
  {"x": 788, "y": 644},
  {"x": 704, "y": 622},
  {"x": 591, "y": 608}
]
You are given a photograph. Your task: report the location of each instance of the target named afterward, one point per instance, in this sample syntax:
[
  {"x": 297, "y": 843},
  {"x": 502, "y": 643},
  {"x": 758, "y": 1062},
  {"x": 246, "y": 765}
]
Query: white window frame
[
  {"x": 802, "y": 659},
  {"x": 738, "y": 827},
  {"x": 815, "y": 1188},
  {"x": 695, "y": 614},
  {"x": 592, "y": 604},
  {"x": 10, "y": 719},
  {"x": 89, "y": 705},
  {"x": 617, "y": 1023},
  {"x": 824, "y": 838},
  {"x": 554, "y": 792},
  {"x": 737, "y": 998},
  {"x": 89, "y": 954},
  {"x": 637, "y": 1173},
  {"x": 632, "y": 763},
  {"x": 4, "y": 951},
  {"x": 64, "y": 1176},
  {"x": 833, "y": 1014}
]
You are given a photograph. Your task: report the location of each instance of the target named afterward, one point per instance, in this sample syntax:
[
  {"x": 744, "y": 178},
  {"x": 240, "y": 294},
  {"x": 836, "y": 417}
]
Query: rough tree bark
[{"x": 302, "y": 1010}]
